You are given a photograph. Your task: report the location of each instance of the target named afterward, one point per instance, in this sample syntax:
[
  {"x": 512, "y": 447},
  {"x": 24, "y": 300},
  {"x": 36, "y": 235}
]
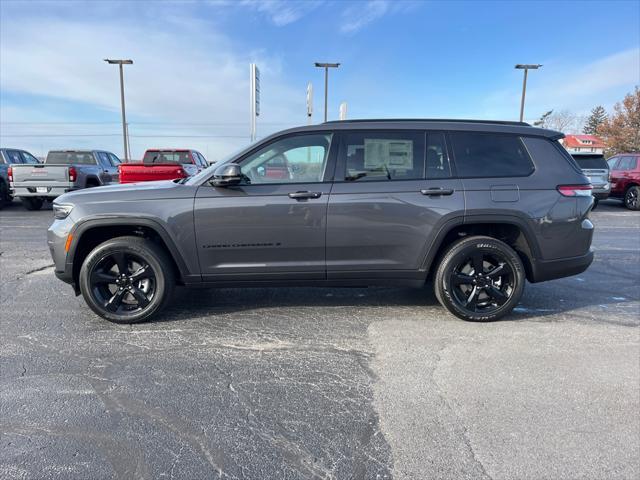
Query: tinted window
[
  {"x": 157, "y": 156},
  {"x": 437, "y": 157},
  {"x": 295, "y": 159},
  {"x": 590, "y": 161},
  {"x": 383, "y": 156},
  {"x": 28, "y": 158},
  {"x": 627, "y": 163},
  {"x": 104, "y": 160},
  {"x": 68, "y": 158},
  {"x": 489, "y": 155},
  {"x": 13, "y": 156}
]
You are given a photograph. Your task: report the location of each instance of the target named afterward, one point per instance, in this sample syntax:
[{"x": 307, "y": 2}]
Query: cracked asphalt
[{"x": 321, "y": 383}]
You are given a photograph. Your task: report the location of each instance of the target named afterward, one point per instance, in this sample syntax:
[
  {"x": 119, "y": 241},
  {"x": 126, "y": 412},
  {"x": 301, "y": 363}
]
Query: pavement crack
[{"x": 40, "y": 269}]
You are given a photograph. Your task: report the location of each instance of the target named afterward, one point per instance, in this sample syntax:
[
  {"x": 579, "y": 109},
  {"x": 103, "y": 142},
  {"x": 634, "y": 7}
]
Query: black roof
[{"x": 489, "y": 126}]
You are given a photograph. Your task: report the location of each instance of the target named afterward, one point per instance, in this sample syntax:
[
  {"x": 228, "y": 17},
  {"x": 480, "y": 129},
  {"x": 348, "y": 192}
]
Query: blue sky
[{"x": 189, "y": 84}]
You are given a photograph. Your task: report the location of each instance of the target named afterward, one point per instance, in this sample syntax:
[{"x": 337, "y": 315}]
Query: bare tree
[{"x": 563, "y": 121}]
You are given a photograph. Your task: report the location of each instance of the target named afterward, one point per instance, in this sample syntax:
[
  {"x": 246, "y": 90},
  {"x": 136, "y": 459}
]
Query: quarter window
[
  {"x": 295, "y": 159},
  {"x": 390, "y": 155},
  {"x": 489, "y": 155}
]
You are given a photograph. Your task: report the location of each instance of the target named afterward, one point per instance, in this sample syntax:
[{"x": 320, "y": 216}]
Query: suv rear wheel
[
  {"x": 126, "y": 279},
  {"x": 479, "y": 279},
  {"x": 632, "y": 198}
]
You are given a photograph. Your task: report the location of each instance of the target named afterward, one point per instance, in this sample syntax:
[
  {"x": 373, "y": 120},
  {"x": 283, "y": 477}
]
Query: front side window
[
  {"x": 28, "y": 158},
  {"x": 115, "y": 161},
  {"x": 295, "y": 159},
  {"x": 490, "y": 155},
  {"x": 393, "y": 155}
]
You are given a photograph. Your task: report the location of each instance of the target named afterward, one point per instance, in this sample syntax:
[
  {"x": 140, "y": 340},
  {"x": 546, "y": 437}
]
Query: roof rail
[{"x": 442, "y": 120}]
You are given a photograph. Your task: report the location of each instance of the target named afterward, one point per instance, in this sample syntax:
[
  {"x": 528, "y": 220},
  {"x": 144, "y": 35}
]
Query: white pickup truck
[{"x": 61, "y": 172}]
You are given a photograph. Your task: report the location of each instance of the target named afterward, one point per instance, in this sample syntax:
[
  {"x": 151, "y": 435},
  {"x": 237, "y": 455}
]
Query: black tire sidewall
[
  {"x": 637, "y": 190},
  {"x": 32, "y": 203},
  {"x": 462, "y": 250},
  {"x": 139, "y": 247}
]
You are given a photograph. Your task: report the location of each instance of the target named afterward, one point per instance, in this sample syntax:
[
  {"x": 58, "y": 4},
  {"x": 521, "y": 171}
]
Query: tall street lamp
[
  {"x": 120, "y": 63},
  {"x": 326, "y": 67},
  {"x": 526, "y": 68}
]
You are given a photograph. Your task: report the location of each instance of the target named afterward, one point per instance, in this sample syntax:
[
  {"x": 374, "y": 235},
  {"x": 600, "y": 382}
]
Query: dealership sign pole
[{"x": 254, "y": 95}]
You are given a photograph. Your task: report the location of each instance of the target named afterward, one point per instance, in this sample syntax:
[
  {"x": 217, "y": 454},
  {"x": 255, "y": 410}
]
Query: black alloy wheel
[
  {"x": 480, "y": 279},
  {"x": 123, "y": 283},
  {"x": 632, "y": 198},
  {"x": 127, "y": 279}
]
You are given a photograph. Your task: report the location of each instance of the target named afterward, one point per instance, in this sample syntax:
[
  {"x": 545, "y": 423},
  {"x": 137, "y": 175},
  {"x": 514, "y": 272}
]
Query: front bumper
[{"x": 57, "y": 235}]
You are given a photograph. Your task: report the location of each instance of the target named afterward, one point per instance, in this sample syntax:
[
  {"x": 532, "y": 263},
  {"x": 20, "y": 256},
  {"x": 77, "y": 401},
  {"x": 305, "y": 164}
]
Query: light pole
[
  {"x": 326, "y": 67},
  {"x": 526, "y": 68},
  {"x": 120, "y": 63}
]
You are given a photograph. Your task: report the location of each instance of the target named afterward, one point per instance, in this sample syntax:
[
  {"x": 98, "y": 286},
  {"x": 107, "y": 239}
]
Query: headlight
[{"x": 61, "y": 210}]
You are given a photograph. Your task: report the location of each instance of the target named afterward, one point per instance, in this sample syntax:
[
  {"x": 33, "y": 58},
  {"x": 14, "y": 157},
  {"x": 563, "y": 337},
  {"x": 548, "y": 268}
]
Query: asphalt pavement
[{"x": 321, "y": 383}]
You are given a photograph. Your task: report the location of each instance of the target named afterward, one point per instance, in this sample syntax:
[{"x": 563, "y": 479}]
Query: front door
[
  {"x": 392, "y": 189},
  {"x": 273, "y": 224}
]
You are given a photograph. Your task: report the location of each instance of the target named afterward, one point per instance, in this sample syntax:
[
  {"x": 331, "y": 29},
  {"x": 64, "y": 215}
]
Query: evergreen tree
[{"x": 596, "y": 118}]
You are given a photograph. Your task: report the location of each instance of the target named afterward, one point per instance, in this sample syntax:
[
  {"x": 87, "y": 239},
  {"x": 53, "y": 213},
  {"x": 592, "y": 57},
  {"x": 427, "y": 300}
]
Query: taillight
[
  {"x": 575, "y": 190},
  {"x": 182, "y": 173},
  {"x": 10, "y": 173},
  {"x": 72, "y": 174}
]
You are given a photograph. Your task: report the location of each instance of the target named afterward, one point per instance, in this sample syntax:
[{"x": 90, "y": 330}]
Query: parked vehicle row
[
  {"x": 23, "y": 176},
  {"x": 595, "y": 167},
  {"x": 625, "y": 179},
  {"x": 477, "y": 207}
]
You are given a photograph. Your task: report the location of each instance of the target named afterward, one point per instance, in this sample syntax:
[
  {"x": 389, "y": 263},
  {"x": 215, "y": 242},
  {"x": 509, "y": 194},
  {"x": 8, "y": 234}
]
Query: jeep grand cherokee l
[{"x": 477, "y": 207}]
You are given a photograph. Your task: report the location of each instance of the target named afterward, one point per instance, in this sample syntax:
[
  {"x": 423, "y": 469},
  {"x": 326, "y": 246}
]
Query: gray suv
[{"x": 478, "y": 207}]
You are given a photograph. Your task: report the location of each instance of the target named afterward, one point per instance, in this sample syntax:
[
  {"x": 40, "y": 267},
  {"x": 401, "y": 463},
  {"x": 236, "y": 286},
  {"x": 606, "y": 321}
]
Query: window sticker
[{"x": 396, "y": 154}]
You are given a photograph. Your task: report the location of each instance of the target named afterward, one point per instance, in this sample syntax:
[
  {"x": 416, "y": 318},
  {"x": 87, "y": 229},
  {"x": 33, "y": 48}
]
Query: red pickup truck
[{"x": 163, "y": 164}]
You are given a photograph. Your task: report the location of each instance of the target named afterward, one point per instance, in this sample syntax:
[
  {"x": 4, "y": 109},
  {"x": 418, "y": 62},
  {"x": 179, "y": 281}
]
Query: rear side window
[
  {"x": 28, "y": 158},
  {"x": 488, "y": 155},
  {"x": 13, "y": 156},
  {"x": 627, "y": 163},
  {"x": 393, "y": 155},
  {"x": 437, "y": 156}
]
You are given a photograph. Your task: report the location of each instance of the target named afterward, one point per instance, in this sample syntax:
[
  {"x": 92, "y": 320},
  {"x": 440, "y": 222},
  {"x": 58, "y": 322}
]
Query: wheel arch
[
  {"x": 92, "y": 180},
  {"x": 510, "y": 229},
  {"x": 88, "y": 234}
]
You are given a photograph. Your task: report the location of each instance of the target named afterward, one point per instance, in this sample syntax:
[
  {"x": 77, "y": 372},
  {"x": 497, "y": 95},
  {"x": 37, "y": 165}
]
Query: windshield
[
  {"x": 207, "y": 172},
  {"x": 591, "y": 161},
  {"x": 70, "y": 158}
]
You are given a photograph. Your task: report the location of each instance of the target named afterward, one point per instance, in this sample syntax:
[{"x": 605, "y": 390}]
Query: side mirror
[{"x": 226, "y": 175}]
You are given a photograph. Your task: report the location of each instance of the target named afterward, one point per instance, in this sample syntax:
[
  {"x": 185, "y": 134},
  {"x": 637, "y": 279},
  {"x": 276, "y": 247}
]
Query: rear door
[
  {"x": 268, "y": 227},
  {"x": 392, "y": 190}
]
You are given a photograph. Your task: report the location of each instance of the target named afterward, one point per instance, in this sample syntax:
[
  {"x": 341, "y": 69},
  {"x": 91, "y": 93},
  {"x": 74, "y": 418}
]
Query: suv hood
[{"x": 164, "y": 189}]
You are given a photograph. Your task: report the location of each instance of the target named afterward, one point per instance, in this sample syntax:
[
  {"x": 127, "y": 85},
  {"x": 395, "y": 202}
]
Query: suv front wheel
[
  {"x": 479, "y": 279},
  {"x": 632, "y": 198},
  {"x": 126, "y": 279}
]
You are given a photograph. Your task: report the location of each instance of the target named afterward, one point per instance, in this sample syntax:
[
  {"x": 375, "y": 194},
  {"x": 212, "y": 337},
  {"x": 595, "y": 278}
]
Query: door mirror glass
[{"x": 226, "y": 175}]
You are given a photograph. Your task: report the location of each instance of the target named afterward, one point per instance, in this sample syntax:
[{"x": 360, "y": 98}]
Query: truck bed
[{"x": 144, "y": 172}]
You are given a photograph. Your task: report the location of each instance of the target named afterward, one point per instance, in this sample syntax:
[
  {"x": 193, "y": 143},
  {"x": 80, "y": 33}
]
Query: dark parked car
[
  {"x": 625, "y": 179},
  {"x": 8, "y": 157},
  {"x": 478, "y": 207},
  {"x": 595, "y": 167}
]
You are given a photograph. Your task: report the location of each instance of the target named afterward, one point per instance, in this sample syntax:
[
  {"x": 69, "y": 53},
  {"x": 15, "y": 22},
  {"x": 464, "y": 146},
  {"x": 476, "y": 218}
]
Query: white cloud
[
  {"x": 183, "y": 73},
  {"x": 361, "y": 14},
  {"x": 282, "y": 12}
]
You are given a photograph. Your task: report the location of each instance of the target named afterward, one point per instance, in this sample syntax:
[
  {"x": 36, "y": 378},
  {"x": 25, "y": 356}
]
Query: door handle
[
  {"x": 302, "y": 195},
  {"x": 436, "y": 191}
]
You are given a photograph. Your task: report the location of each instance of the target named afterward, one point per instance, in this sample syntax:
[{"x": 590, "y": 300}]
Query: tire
[
  {"x": 32, "y": 203},
  {"x": 632, "y": 198},
  {"x": 485, "y": 296},
  {"x": 127, "y": 279},
  {"x": 5, "y": 198}
]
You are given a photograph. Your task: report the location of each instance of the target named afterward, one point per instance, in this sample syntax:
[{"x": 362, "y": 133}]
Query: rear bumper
[
  {"x": 543, "y": 270},
  {"x": 52, "y": 192},
  {"x": 600, "y": 195}
]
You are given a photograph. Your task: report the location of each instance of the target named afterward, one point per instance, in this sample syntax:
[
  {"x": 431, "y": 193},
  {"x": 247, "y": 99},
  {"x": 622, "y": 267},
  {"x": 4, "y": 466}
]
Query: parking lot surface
[{"x": 321, "y": 383}]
